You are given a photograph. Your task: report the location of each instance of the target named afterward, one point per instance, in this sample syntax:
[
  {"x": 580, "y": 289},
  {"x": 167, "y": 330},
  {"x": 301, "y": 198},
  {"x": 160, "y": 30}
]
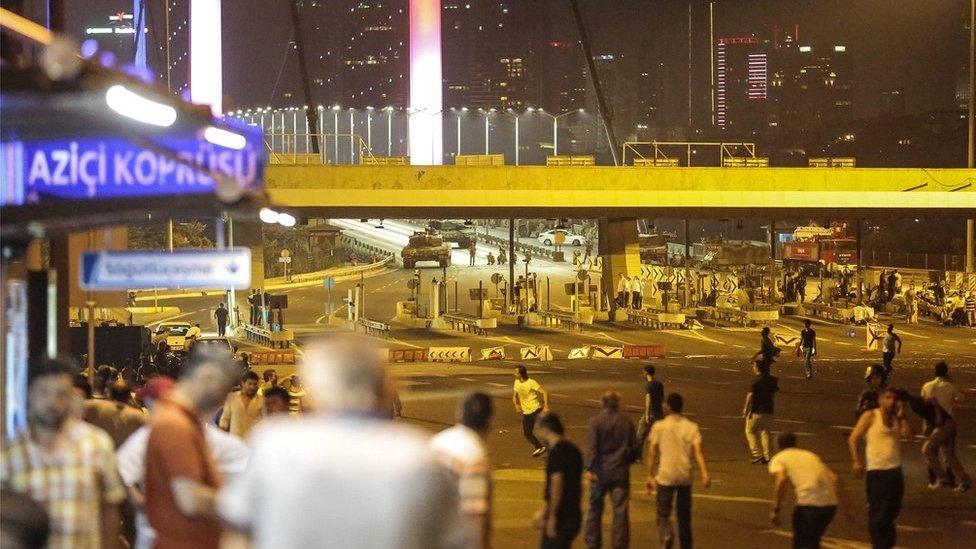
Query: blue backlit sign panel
[
  {"x": 93, "y": 169},
  {"x": 127, "y": 270}
]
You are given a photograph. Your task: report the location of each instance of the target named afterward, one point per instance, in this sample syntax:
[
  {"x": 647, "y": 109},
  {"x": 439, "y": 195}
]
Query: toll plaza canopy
[{"x": 82, "y": 145}]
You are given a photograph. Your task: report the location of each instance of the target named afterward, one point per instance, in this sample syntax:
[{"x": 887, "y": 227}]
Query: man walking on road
[
  {"x": 883, "y": 429},
  {"x": 462, "y": 450},
  {"x": 221, "y": 316},
  {"x": 623, "y": 291},
  {"x": 526, "y": 395},
  {"x": 653, "y": 406},
  {"x": 472, "y": 248},
  {"x": 560, "y": 516},
  {"x": 243, "y": 409},
  {"x": 940, "y": 448},
  {"x": 611, "y": 443},
  {"x": 808, "y": 345},
  {"x": 758, "y": 412},
  {"x": 817, "y": 488},
  {"x": 677, "y": 439},
  {"x": 890, "y": 346},
  {"x": 970, "y": 308}
]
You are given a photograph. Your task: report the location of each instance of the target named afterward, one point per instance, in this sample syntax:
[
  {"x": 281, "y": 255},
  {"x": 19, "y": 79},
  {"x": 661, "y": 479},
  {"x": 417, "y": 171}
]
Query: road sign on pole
[{"x": 198, "y": 269}]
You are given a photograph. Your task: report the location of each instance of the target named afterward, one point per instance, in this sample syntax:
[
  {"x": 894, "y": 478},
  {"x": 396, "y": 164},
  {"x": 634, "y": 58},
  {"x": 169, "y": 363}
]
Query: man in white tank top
[{"x": 883, "y": 429}]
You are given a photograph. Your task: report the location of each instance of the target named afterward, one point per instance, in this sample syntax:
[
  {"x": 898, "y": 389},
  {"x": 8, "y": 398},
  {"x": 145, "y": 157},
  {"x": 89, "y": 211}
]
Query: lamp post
[
  {"x": 369, "y": 129},
  {"x": 352, "y": 141},
  {"x": 487, "y": 115},
  {"x": 555, "y": 127},
  {"x": 516, "y": 115},
  {"x": 335, "y": 134},
  {"x": 457, "y": 113},
  {"x": 389, "y": 131}
]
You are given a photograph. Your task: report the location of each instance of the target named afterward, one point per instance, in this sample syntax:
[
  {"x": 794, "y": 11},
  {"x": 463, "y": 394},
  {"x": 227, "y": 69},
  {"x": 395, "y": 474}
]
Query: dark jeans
[
  {"x": 885, "y": 489},
  {"x": 665, "y": 496},
  {"x": 528, "y": 425},
  {"x": 620, "y": 498},
  {"x": 565, "y": 534},
  {"x": 222, "y": 328},
  {"x": 638, "y": 299},
  {"x": 886, "y": 359},
  {"x": 809, "y": 525}
]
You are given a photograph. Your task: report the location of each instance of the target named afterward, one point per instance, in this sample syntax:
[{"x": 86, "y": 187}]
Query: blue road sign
[
  {"x": 197, "y": 269},
  {"x": 329, "y": 283}
]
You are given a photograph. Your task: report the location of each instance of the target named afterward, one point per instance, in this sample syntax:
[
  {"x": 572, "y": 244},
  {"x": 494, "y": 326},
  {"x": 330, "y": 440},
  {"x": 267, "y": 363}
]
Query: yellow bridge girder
[{"x": 608, "y": 191}]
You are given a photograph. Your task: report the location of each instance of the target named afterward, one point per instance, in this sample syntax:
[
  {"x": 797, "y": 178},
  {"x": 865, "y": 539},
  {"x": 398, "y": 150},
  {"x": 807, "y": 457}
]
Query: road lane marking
[
  {"x": 401, "y": 342},
  {"x": 730, "y": 370},
  {"x": 558, "y": 395},
  {"x": 825, "y": 542},
  {"x": 493, "y": 384},
  {"x": 788, "y": 420},
  {"x": 841, "y": 427},
  {"x": 471, "y": 379},
  {"x": 693, "y": 334},
  {"x": 903, "y": 332}
]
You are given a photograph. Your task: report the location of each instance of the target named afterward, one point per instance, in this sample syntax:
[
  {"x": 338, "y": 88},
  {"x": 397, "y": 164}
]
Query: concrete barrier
[
  {"x": 644, "y": 351},
  {"x": 493, "y": 353},
  {"x": 542, "y": 353},
  {"x": 449, "y": 354},
  {"x": 603, "y": 351},
  {"x": 270, "y": 358},
  {"x": 873, "y": 336},
  {"x": 579, "y": 353}
]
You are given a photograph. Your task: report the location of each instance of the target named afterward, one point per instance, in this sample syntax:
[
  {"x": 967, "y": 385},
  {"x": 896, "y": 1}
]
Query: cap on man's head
[{"x": 156, "y": 388}]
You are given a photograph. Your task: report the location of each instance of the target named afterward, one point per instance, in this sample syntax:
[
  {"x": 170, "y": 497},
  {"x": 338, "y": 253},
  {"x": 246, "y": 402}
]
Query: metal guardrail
[
  {"x": 335, "y": 273},
  {"x": 534, "y": 251},
  {"x": 358, "y": 246}
]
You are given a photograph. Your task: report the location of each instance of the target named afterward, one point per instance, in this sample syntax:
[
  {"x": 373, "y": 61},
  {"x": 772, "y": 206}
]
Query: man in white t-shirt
[
  {"x": 817, "y": 491},
  {"x": 676, "y": 439},
  {"x": 344, "y": 474},
  {"x": 229, "y": 453},
  {"x": 940, "y": 447},
  {"x": 636, "y": 292},
  {"x": 462, "y": 450},
  {"x": 530, "y": 400}
]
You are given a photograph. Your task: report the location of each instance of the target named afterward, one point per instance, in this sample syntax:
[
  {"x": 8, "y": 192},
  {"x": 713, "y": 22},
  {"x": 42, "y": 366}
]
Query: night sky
[{"x": 917, "y": 45}]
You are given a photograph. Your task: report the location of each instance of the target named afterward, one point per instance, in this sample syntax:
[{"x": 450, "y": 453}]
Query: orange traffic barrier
[
  {"x": 644, "y": 351},
  {"x": 408, "y": 355}
]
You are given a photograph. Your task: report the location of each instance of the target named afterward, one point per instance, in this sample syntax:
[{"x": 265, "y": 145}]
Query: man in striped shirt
[
  {"x": 65, "y": 464},
  {"x": 971, "y": 309}
]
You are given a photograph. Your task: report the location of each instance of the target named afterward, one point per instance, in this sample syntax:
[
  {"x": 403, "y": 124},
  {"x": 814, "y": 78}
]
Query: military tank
[{"x": 425, "y": 246}]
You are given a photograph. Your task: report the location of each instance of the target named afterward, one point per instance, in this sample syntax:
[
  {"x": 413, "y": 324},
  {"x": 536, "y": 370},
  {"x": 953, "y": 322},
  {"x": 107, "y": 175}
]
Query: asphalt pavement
[{"x": 711, "y": 368}]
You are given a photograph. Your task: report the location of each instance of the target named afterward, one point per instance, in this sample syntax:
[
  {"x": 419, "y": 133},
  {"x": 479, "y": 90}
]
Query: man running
[
  {"x": 890, "y": 346},
  {"x": 676, "y": 439},
  {"x": 767, "y": 349},
  {"x": 526, "y": 394},
  {"x": 883, "y": 429},
  {"x": 817, "y": 491},
  {"x": 808, "y": 344},
  {"x": 653, "y": 405}
]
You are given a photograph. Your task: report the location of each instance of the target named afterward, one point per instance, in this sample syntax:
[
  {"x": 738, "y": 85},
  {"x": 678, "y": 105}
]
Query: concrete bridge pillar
[{"x": 620, "y": 251}]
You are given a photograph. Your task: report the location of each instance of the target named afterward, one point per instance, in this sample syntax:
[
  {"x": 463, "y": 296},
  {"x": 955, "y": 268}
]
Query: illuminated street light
[
  {"x": 555, "y": 129},
  {"x": 224, "y": 138},
  {"x": 268, "y": 215}
]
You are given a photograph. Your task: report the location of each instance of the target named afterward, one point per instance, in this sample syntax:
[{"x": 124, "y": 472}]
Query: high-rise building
[
  {"x": 811, "y": 87},
  {"x": 741, "y": 84},
  {"x": 563, "y": 79},
  {"x": 491, "y": 61}
]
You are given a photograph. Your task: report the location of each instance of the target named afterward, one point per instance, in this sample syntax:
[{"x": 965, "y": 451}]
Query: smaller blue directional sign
[
  {"x": 197, "y": 269},
  {"x": 329, "y": 283}
]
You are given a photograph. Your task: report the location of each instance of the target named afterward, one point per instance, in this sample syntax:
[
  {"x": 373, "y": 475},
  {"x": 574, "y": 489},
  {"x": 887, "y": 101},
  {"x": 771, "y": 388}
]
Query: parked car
[
  {"x": 217, "y": 344},
  {"x": 173, "y": 333},
  {"x": 549, "y": 237}
]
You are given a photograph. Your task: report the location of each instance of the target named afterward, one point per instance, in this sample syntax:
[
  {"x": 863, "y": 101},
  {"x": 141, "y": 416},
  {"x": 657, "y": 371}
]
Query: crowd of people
[{"x": 224, "y": 457}]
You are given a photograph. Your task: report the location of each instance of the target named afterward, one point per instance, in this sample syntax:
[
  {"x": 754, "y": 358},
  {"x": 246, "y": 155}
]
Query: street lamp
[
  {"x": 352, "y": 141},
  {"x": 555, "y": 128},
  {"x": 335, "y": 126},
  {"x": 516, "y": 114},
  {"x": 369, "y": 129},
  {"x": 389, "y": 131},
  {"x": 487, "y": 115},
  {"x": 457, "y": 113}
]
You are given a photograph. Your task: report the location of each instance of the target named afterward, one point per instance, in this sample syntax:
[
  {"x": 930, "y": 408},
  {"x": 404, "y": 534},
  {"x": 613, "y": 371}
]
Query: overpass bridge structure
[{"x": 619, "y": 195}]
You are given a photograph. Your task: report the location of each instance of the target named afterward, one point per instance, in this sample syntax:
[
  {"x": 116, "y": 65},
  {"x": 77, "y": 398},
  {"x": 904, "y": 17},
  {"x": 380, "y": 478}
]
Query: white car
[
  {"x": 549, "y": 237},
  {"x": 173, "y": 333}
]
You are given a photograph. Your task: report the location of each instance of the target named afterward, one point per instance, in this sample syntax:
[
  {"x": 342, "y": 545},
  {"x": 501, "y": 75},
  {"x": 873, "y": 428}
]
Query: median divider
[
  {"x": 644, "y": 351},
  {"x": 449, "y": 354},
  {"x": 493, "y": 353},
  {"x": 542, "y": 353}
]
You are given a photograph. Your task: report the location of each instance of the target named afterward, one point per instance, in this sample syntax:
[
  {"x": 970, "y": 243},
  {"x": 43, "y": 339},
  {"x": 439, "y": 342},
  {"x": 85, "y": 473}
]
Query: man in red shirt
[{"x": 181, "y": 477}]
